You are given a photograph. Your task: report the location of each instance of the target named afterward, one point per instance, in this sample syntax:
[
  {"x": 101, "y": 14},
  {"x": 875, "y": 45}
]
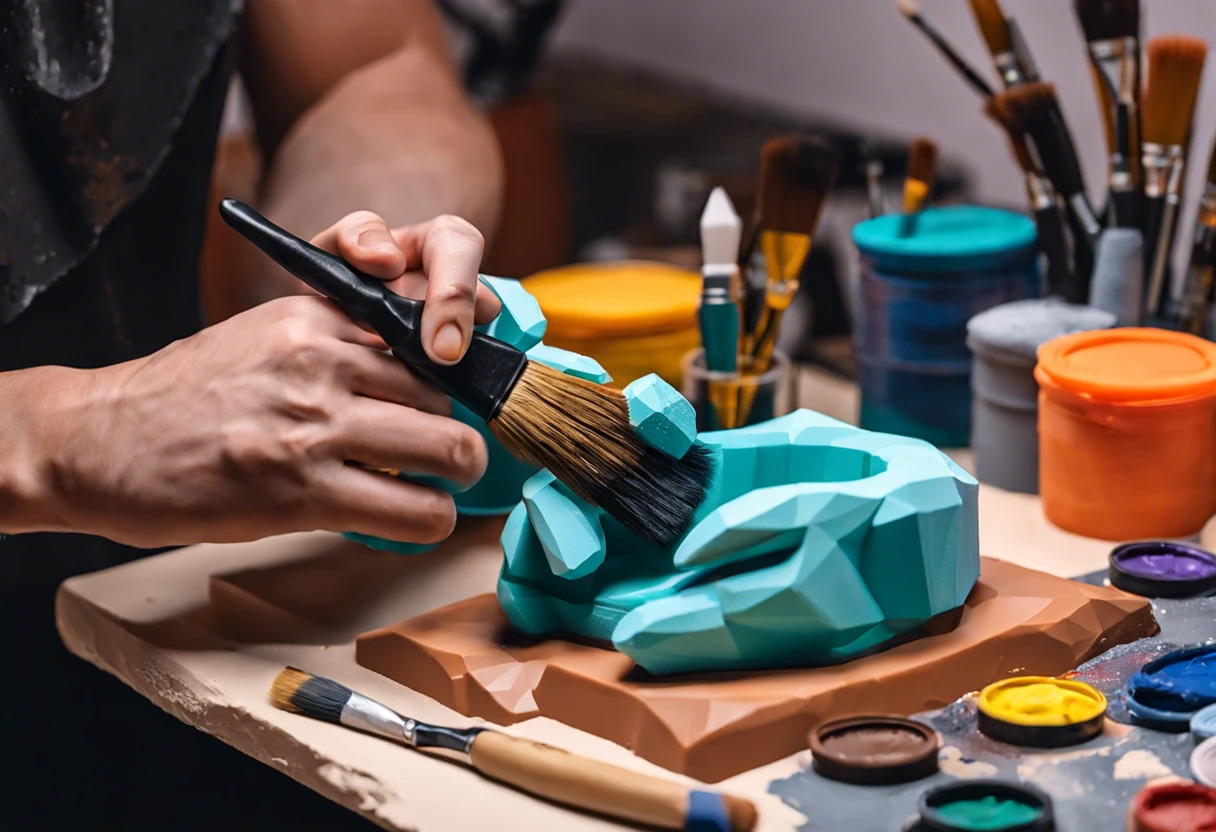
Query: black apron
[{"x": 109, "y": 115}]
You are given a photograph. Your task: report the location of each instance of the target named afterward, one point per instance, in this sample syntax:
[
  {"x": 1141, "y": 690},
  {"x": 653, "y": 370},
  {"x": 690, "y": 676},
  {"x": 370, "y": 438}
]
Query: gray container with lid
[{"x": 1004, "y": 341}]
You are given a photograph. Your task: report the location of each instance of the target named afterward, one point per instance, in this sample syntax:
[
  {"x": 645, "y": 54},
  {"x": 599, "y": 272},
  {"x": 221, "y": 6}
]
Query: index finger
[{"x": 450, "y": 251}]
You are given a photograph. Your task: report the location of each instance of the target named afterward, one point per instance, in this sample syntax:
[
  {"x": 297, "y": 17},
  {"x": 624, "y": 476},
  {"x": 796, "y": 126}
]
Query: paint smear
[
  {"x": 1140, "y": 764},
  {"x": 952, "y": 762}
]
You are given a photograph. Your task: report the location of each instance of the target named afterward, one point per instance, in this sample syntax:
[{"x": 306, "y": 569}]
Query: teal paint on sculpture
[
  {"x": 990, "y": 813},
  {"x": 661, "y": 416},
  {"x": 817, "y": 541}
]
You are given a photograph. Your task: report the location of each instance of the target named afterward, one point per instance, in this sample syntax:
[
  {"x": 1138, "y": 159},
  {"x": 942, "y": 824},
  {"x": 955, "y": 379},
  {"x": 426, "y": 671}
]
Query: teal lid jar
[{"x": 916, "y": 295}]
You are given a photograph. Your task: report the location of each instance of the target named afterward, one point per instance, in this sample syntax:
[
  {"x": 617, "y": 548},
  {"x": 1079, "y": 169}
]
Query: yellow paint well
[{"x": 1042, "y": 701}]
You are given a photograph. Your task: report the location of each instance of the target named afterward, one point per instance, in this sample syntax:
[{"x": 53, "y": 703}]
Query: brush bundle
[
  {"x": 1147, "y": 99},
  {"x": 747, "y": 290}
]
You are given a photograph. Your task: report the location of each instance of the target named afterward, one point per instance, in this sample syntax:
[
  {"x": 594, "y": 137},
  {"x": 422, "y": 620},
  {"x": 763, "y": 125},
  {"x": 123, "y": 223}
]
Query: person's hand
[
  {"x": 817, "y": 542},
  {"x": 250, "y": 428},
  {"x": 436, "y": 261}
]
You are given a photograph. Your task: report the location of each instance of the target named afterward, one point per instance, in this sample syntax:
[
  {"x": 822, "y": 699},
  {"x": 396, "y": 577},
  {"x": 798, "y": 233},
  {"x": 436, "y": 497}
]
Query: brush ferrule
[
  {"x": 1009, "y": 69},
  {"x": 1042, "y": 195},
  {"x": 1158, "y": 161},
  {"x": 1084, "y": 213},
  {"x": 1021, "y": 51},
  {"x": 367, "y": 715}
]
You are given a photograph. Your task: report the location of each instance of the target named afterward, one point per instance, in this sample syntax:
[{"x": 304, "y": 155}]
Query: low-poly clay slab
[{"x": 713, "y": 726}]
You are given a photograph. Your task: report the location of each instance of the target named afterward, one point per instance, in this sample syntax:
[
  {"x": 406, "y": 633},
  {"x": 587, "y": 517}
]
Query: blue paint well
[{"x": 1182, "y": 681}]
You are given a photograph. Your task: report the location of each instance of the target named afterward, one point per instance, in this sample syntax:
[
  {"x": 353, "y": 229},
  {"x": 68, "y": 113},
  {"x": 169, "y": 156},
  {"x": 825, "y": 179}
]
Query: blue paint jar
[{"x": 917, "y": 294}]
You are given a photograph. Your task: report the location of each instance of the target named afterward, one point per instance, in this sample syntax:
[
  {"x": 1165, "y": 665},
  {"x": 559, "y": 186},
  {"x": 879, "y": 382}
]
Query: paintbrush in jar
[
  {"x": 1112, "y": 34},
  {"x": 541, "y": 770},
  {"x": 718, "y": 315},
  {"x": 1175, "y": 69},
  {"x": 911, "y": 9},
  {"x": 1035, "y": 106},
  {"x": 918, "y": 182},
  {"x": 1049, "y": 224}
]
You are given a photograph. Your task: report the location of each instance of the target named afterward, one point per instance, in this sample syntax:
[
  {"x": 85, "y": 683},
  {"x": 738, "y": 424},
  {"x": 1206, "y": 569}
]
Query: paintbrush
[
  {"x": 872, "y": 168},
  {"x": 1052, "y": 239},
  {"x": 1199, "y": 285},
  {"x": 578, "y": 430},
  {"x": 994, "y": 28},
  {"x": 532, "y": 767},
  {"x": 796, "y": 174},
  {"x": 1112, "y": 32},
  {"x": 1034, "y": 105},
  {"x": 918, "y": 182},
  {"x": 1175, "y": 68},
  {"x": 721, "y": 232},
  {"x": 911, "y": 9},
  {"x": 795, "y": 177}
]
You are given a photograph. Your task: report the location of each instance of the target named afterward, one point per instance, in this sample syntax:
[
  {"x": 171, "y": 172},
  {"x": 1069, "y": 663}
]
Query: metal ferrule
[
  {"x": 1042, "y": 195},
  {"x": 1085, "y": 215},
  {"x": 1009, "y": 69},
  {"x": 1021, "y": 49},
  {"x": 1158, "y": 162},
  {"x": 365, "y": 714}
]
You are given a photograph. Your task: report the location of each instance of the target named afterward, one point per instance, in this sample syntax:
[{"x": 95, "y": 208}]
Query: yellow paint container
[
  {"x": 1041, "y": 711},
  {"x": 633, "y": 317}
]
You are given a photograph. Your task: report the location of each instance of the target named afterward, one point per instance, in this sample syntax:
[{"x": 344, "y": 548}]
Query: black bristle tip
[
  {"x": 321, "y": 698},
  {"x": 658, "y": 498},
  {"x": 1108, "y": 19}
]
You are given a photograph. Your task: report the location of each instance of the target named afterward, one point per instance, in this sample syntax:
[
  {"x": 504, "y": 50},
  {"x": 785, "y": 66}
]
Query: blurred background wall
[{"x": 859, "y": 63}]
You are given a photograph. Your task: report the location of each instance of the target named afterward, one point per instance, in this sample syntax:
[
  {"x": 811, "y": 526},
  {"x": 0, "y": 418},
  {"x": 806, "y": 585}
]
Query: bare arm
[{"x": 358, "y": 107}]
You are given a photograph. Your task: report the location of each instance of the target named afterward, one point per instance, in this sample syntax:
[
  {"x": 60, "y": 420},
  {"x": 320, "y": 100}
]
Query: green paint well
[{"x": 990, "y": 813}]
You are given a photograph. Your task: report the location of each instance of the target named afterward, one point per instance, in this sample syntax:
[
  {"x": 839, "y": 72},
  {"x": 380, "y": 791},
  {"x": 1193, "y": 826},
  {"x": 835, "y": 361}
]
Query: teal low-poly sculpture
[{"x": 817, "y": 542}]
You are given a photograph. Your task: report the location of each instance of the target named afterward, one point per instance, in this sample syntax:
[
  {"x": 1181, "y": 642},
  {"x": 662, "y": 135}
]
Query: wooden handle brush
[
  {"x": 532, "y": 767},
  {"x": 578, "y": 430}
]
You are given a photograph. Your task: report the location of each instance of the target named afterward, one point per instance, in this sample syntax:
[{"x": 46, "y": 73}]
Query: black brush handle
[
  {"x": 481, "y": 381},
  {"x": 1154, "y": 214},
  {"x": 1054, "y": 245}
]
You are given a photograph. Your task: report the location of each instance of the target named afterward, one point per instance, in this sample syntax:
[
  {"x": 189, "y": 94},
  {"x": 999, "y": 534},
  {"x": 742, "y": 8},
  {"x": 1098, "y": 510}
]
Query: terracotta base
[{"x": 1016, "y": 622}]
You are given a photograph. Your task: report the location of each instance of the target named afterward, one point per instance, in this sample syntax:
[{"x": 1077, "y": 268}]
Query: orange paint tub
[{"x": 1127, "y": 433}]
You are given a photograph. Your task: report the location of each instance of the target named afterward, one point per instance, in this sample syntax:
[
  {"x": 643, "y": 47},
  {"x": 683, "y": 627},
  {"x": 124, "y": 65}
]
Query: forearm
[
  {"x": 28, "y": 421},
  {"x": 396, "y": 137}
]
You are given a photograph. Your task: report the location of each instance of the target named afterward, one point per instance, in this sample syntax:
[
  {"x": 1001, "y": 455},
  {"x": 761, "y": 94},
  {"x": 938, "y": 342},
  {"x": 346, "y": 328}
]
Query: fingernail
[
  {"x": 448, "y": 342},
  {"x": 375, "y": 238}
]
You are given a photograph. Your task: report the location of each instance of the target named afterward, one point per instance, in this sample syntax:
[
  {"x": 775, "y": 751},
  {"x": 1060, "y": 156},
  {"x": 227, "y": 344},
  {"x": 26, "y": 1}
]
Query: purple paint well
[
  {"x": 1166, "y": 561},
  {"x": 1163, "y": 569}
]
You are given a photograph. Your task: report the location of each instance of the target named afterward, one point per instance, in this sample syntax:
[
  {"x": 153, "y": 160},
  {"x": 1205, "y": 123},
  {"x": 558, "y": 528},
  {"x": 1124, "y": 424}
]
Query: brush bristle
[
  {"x": 1175, "y": 68},
  {"x": 922, "y": 160},
  {"x": 998, "y": 111},
  {"x": 299, "y": 692},
  {"x": 580, "y": 431},
  {"x": 1035, "y": 107},
  {"x": 909, "y": 8},
  {"x": 993, "y": 26},
  {"x": 721, "y": 229},
  {"x": 796, "y": 174},
  {"x": 1108, "y": 19}
]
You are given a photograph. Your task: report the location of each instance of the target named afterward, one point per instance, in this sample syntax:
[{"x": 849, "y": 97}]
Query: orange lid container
[{"x": 1127, "y": 433}]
